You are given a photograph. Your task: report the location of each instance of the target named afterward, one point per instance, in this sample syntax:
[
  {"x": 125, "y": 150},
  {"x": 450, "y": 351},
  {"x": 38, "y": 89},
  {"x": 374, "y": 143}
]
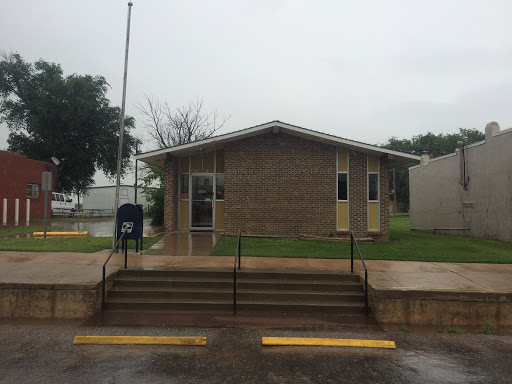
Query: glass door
[{"x": 202, "y": 202}]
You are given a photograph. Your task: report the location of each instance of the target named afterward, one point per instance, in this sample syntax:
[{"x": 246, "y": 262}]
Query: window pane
[
  {"x": 219, "y": 194},
  {"x": 373, "y": 186},
  {"x": 36, "y": 190},
  {"x": 342, "y": 186},
  {"x": 184, "y": 186},
  {"x": 29, "y": 190}
]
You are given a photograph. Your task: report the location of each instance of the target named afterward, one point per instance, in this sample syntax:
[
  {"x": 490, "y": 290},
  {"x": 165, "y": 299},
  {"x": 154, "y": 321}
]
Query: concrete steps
[{"x": 182, "y": 290}]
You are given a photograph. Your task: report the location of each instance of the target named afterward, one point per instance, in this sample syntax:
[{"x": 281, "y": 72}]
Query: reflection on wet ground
[
  {"x": 100, "y": 228},
  {"x": 185, "y": 244},
  {"x": 172, "y": 244}
]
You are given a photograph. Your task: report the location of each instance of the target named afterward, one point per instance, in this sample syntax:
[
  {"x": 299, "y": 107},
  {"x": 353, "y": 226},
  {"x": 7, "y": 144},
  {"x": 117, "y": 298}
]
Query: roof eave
[{"x": 157, "y": 158}]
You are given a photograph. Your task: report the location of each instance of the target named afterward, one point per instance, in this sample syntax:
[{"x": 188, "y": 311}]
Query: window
[
  {"x": 373, "y": 187},
  {"x": 342, "y": 186},
  {"x": 32, "y": 190},
  {"x": 373, "y": 194},
  {"x": 184, "y": 186},
  {"x": 219, "y": 188}
]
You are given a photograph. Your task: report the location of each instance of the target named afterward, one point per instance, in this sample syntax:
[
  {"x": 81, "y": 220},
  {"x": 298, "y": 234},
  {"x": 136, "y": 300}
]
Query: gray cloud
[{"x": 365, "y": 70}]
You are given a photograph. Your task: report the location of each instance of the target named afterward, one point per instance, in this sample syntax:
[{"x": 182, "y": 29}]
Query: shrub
[{"x": 488, "y": 329}]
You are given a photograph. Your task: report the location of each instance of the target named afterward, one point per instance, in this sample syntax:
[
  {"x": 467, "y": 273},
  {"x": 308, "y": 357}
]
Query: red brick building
[
  {"x": 277, "y": 179},
  {"x": 21, "y": 179}
]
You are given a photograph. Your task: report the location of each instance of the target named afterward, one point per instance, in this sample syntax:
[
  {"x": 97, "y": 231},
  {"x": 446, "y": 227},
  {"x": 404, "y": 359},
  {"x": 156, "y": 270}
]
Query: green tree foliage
[
  {"x": 430, "y": 143},
  {"x": 66, "y": 117},
  {"x": 155, "y": 196}
]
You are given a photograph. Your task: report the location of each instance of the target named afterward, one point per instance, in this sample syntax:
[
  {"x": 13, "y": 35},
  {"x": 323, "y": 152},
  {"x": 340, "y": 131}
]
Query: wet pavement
[
  {"x": 400, "y": 276},
  {"x": 96, "y": 228},
  {"x": 185, "y": 244},
  {"x": 44, "y": 353}
]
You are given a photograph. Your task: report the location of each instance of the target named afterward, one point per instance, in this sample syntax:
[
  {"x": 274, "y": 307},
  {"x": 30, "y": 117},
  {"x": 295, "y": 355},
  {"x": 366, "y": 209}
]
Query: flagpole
[{"x": 121, "y": 128}]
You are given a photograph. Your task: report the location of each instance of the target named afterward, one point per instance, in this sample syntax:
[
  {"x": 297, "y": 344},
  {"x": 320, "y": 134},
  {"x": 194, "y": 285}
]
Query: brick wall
[
  {"x": 282, "y": 185},
  {"x": 15, "y": 172},
  {"x": 277, "y": 184},
  {"x": 358, "y": 197},
  {"x": 358, "y": 194},
  {"x": 171, "y": 178}
]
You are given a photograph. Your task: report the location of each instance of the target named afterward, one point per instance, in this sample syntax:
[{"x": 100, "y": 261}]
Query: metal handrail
[
  {"x": 105, "y": 264},
  {"x": 352, "y": 241},
  {"x": 237, "y": 261}
]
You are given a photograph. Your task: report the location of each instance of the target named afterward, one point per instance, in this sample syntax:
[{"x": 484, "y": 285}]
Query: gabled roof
[{"x": 157, "y": 157}]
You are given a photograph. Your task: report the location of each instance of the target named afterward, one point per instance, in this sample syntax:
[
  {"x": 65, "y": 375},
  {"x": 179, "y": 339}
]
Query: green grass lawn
[
  {"x": 403, "y": 245},
  {"x": 6, "y": 231},
  {"x": 59, "y": 244},
  {"x": 67, "y": 244}
]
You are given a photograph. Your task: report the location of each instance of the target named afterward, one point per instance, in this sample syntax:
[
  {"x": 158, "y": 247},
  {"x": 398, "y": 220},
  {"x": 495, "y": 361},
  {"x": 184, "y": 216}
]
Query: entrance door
[{"x": 202, "y": 202}]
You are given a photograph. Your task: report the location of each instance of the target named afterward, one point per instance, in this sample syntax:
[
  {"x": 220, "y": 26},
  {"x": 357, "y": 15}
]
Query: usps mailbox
[{"x": 130, "y": 213}]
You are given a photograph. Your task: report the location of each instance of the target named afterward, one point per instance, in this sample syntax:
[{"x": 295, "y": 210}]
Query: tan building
[
  {"x": 466, "y": 193},
  {"x": 277, "y": 179}
]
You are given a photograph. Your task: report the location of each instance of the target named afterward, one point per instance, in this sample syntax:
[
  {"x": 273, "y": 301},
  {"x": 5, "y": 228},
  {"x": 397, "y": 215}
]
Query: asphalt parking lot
[{"x": 44, "y": 353}]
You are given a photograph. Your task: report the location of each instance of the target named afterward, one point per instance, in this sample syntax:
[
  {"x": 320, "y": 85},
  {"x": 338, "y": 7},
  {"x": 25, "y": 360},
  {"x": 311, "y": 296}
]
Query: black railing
[
  {"x": 105, "y": 264},
  {"x": 237, "y": 262},
  {"x": 352, "y": 242}
]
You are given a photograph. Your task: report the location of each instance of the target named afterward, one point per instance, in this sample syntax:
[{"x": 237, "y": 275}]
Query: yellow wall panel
[
  {"x": 184, "y": 215},
  {"x": 208, "y": 162},
  {"x": 342, "y": 160},
  {"x": 373, "y": 216},
  {"x": 343, "y": 215},
  {"x": 220, "y": 161},
  {"x": 197, "y": 163},
  {"x": 184, "y": 165},
  {"x": 219, "y": 215},
  {"x": 373, "y": 164}
]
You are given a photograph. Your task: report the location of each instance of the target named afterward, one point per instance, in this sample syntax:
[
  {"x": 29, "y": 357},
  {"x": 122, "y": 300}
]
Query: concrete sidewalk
[
  {"x": 85, "y": 268},
  {"x": 400, "y": 291}
]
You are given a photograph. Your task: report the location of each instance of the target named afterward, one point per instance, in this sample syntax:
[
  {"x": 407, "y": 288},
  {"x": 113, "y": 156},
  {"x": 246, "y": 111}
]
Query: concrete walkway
[
  {"x": 23, "y": 268},
  {"x": 68, "y": 285}
]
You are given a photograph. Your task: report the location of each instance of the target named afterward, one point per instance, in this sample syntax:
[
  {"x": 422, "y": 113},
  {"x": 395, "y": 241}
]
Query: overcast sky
[{"x": 363, "y": 70}]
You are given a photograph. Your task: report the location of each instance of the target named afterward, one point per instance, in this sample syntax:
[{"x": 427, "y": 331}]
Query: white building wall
[
  {"x": 484, "y": 209},
  {"x": 104, "y": 197}
]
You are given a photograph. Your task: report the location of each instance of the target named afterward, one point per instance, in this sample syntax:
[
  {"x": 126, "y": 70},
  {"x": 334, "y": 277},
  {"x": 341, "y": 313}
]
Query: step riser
[
  {"x": 244, "y": 296},
  {"x": 240, "y": 275},
  {"x": 241, "y": 307},
  {"x": 212, "y": 290},
  {"x": 174, "y": 274},
  {"x": 240, "y": 285}
]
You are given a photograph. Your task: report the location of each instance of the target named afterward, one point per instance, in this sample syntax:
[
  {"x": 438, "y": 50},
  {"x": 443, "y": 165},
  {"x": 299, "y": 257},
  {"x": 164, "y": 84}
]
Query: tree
[
  {"x": 183, "y": 125},
  {"x": 66, "y": 117},
  {"x": 168, "y": 127},
  {"x": 435, "y": 145}
]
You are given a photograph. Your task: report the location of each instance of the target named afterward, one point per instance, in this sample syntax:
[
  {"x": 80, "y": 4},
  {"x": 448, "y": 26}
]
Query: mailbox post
[
  {"x": 46, "y": 184},
  {"x": 130, "y": 213}
]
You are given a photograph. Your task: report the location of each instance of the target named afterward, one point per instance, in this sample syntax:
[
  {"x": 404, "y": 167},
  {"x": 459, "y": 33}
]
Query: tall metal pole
[
  {"x": 136, "y": 186},
  {"x": 121, "y": 128},
  {"x": 394, "y": 193}
]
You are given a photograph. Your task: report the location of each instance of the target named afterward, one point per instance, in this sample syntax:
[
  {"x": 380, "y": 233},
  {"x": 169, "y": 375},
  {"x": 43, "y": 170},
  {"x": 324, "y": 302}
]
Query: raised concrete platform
[{"x": 68, "y": 285}]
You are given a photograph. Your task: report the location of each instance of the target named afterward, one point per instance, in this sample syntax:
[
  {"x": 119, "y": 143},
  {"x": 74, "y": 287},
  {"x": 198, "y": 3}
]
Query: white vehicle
[{"x": 62, "y": 204}]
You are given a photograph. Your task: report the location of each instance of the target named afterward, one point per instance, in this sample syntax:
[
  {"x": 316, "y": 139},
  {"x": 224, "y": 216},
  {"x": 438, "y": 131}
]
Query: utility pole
[
  {"x": 121, "y": 128},
  {"x": 394, "y": 193},
  {"x": 136, "y": 168}
]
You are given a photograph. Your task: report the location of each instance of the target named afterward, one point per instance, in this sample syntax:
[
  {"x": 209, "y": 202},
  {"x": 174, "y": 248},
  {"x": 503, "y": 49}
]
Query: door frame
[{"x": 191, "y": 200}]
